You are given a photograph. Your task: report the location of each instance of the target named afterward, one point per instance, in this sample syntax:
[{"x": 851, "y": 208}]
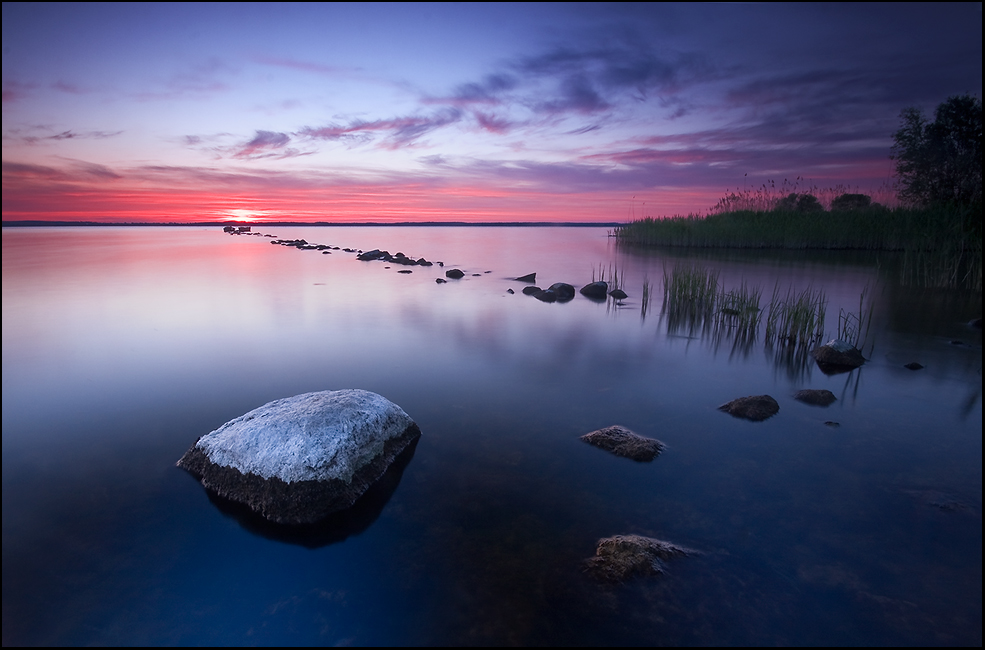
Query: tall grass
[
  {"x": 796, "y": 319},
  {"x": 854, "y": 327}
]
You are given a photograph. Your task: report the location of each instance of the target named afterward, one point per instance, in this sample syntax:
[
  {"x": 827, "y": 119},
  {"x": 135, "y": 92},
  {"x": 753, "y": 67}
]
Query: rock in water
[
  {"x": 837, "y": 356},
  {"x": 815, "y": 397},
  {"x": 299, "y": 459},
  {"x": 620, "y": 557},
  {"x": 755, "y": 407},
  {"x": 623, "y": 442}
]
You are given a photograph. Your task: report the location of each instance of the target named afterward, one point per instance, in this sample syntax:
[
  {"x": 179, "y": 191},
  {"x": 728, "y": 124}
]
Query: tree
[
  {"x": 804, "y": 203},
  {"x": 849, "y": 202},
  {"x": 940, "y": 162}
]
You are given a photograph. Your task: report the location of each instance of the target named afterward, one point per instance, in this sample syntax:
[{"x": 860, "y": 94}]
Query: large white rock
[{"x": 298, "y": 459}]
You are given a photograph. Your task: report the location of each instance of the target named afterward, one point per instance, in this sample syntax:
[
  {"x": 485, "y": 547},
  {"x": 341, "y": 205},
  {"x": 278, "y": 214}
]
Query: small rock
[
  {"x": 815, "y": 397},
  {"x": 595, "y": 290},
  {"x": 454, "y": 274},
  {"x": 563, "y": 291},
  {"x": 547, "y": 295},
  {"x": 837, "y": 356},
  {"x": 440, "y": 280},
  {"x": 618, "y": 294},
  {"x": 621, "y": 557},
  {"x": 913, "y": 365},
  {"x": 622, "y": 442},
  {"x": 530, "y": 277},
  {"x": 529, "y": 291},
  {"x": 510, "y": 291},
  {"x": 832, "y": 424},
  {"x": 405, "y": 271},
  {"x": 755, "y": 408}
]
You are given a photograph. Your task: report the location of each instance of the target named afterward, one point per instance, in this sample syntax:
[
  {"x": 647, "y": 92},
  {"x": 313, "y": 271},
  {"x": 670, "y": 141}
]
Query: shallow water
[{"x": 122, "y": 345}]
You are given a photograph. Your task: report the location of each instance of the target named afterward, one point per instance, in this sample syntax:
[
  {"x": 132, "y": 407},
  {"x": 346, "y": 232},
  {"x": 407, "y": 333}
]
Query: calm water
[{"x": 122, "y": 345}]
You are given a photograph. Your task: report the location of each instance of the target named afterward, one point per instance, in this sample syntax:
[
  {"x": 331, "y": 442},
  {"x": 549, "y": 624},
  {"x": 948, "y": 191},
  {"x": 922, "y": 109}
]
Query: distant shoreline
[{"x": 264, "y": 224}]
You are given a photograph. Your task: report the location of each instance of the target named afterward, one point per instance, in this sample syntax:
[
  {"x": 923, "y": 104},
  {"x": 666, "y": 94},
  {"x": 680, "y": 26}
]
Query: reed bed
[{"x": 796, "y": 319}]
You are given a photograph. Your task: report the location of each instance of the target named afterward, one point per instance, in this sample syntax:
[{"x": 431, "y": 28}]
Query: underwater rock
[
  {"x": 595, "y": 290},
  {"x": 815, "y": 397},
  {"x": 755, "y": 407},
  {"x": 622, "y": 442},
  {"x": 620, "y": 557},
  {"x": 299, "y": 459},
  {"x": 913, "y": 365},
  {"x": 837, "y": 356},
  {"x": 455, "y": 274}
]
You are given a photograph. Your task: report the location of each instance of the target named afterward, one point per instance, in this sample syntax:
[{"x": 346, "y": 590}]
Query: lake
[{"x": 123, "y": 345}]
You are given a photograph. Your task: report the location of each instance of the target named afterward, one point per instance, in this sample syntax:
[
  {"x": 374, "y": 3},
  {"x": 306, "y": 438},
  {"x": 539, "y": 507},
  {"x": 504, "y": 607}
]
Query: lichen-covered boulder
[
  {"x": 622, "y": 442},
  {"x": 755, "y": 407},
  {"x": 299, "y": 459},
  {"x": 837, "y": 356},
  {"x": 620, "y": 557}
]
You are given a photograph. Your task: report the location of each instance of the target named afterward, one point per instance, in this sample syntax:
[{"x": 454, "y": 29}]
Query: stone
[
  {"x": 618, "y": 294},
  {"x": 530, "y": 277},
  {"x": 622, "y": 442},
  {"x": 595, "y": 290},
  {"x": 440, "y": 280},
  {"x": 815, "y": 397},
  {"x": 563, "y": 291},
  {"x": 755, "y": 407},
  {"x": 621, "y": 557},
  {"x": 530, "y": 291},
  {"x": 913, "y": 365},
  {"x": 299, "y": 459},
  {"x": 454, "y": 274},
  {"x": 837, "y": 356},
  {"x": 547, "y": 295}
]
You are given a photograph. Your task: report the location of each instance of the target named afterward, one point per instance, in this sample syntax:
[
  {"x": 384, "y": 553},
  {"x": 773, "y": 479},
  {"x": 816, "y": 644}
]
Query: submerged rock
[
  {"x": 913, "y": 365},
  {"x": 815, "y": 397},
  {"x": 622, "y": 442},
  {"x": 755, "y": 407},
  {"x": 837, "y": 356},
  {"x": 621, "y": 557},
  {"x": 299, "y": 459}
]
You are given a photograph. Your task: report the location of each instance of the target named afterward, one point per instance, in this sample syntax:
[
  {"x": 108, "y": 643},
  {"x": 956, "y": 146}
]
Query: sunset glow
[{"x": 475, "y": 113}]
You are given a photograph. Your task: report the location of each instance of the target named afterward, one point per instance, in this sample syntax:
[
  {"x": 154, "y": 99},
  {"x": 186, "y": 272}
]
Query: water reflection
[{"x": 121, "y": 346}]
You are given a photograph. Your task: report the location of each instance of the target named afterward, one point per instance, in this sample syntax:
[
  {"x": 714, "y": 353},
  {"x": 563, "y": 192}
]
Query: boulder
[
  {"x": 299, "y": 459},
  {"x": 815, "y": 397},
  {"x": 454, "y": 274},
  {"x": 621, "y": 557},
  {"x": 595, "y": 290},
  {"x": 837, "y": 356},
  {"x": 622, "y": 442},
  {"x": 755, "y": 407},
  {"x": 563, "y": 291}
]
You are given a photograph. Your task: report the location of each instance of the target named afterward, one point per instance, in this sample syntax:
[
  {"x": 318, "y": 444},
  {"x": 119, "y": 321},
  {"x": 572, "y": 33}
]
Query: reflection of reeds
[
  {"x": 739, "y": 308},
  {"x": 850, "y": 324},
  {"x": 647, "y": 297},
  {"x": 797, "y": 319}
]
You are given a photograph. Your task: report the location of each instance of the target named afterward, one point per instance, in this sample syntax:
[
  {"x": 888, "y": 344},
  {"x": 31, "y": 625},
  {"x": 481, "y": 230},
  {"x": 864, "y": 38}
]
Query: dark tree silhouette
[{"x": 940, "y": 162}]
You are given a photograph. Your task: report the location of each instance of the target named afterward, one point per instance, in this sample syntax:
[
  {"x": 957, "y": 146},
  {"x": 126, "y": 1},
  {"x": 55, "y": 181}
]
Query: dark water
[{"x": 122, "y": 345}]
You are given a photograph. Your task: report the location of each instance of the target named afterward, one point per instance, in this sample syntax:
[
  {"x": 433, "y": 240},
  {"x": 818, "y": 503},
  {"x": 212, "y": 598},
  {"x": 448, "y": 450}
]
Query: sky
[{"x": 459, "y": 112}]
